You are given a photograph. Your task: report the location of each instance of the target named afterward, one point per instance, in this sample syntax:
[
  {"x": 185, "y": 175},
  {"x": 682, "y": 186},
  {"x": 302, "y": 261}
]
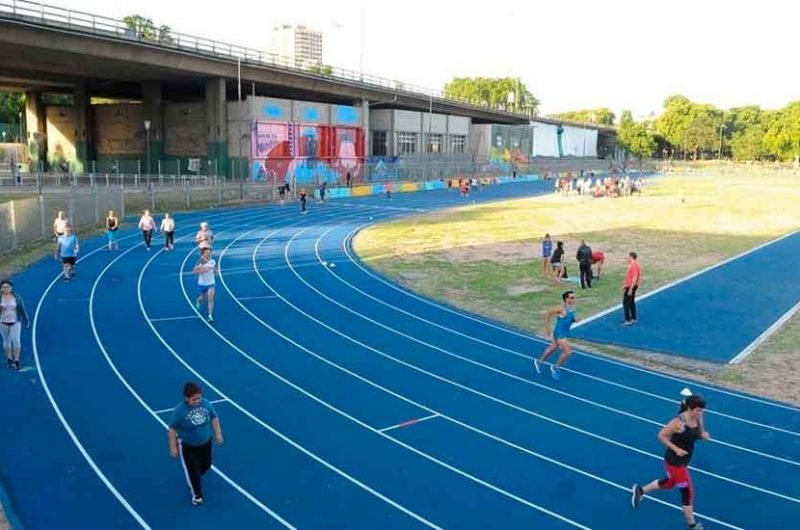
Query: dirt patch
[
  {"x": 498, "y": 252},
  {"x": 524, "y": 287}
]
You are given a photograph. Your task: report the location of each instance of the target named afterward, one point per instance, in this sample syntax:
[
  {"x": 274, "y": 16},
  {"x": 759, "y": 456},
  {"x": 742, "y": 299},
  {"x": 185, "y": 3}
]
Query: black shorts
[{"x": 68, "y": 260}]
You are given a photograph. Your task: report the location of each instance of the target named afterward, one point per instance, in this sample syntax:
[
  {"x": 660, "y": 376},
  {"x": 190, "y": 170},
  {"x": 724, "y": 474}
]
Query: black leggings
[
  {"x": 586, "y": 274},
  {"x": 196, "y": 461},
  {"x": 148, "y": 235},
  {"x": 169, "y": 239},
  {"x": 629, "y": 304}
]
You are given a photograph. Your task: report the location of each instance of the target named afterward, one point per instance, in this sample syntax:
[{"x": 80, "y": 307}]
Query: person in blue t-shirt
[
  {"x": 67, "y": 248},
  {"x": 190, "y": 429},
  {"x": 547, "y": 251},
  {"x": 565, "y": 314}
]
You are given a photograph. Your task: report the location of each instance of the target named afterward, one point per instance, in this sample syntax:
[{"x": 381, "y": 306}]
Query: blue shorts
[
  {"x": 111, "y": 235},
  {"x": 560, "y": 335},
  {"x": 204, "y": 288}
]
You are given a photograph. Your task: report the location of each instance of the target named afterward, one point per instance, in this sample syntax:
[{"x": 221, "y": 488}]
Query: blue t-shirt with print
[
  {"x": 547, "y": 248},
  {"x": 67, "y": 245},
  {"x": 193, "y": 424}
]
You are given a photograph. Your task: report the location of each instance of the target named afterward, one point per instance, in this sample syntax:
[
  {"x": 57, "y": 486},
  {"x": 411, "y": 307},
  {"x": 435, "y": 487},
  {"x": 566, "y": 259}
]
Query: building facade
[{"x": 299, "y": 43}]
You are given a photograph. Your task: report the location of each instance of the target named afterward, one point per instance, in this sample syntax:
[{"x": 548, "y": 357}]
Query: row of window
[{"x": 407, "y": 143}]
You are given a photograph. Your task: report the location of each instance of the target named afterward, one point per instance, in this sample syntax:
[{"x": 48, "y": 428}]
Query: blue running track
[
  {"x": 718, "y": 314},
  {"x": 346, "y": 401}
]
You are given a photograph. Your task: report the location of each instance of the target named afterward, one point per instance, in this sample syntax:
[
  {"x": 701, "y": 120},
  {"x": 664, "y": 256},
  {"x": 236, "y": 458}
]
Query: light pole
[
  {"x": 147, "y": 124},
  {"x": 719, "y": 151}
]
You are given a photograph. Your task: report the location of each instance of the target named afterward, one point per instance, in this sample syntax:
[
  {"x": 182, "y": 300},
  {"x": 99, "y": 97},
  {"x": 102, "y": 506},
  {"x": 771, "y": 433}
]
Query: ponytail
[{"x": 692, "y": 402}]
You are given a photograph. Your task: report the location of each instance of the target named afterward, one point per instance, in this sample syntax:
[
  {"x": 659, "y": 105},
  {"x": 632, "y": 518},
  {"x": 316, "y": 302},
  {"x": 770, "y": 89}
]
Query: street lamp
[
  {"x": 719, "y": 152},
  {"x": 147, "y": 124}
]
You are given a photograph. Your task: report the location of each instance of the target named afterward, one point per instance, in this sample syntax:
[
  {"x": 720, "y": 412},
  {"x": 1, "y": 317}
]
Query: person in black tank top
[{"x": 679, "y": 437}]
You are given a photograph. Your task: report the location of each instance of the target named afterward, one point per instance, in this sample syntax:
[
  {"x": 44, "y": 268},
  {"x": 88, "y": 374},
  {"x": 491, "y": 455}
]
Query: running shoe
[
  {"x": 211, "y": 318},
  {"x": 636, "y": 495},
  {"x": 197, "y": 501},
  {"x": 9, "y": 363},
  {"x": 16, "y": 365},
  {"x": 197, "y": 303},
  {"x": 697, "y": 526},
  {"x": 555, "y": 373},
  {"x": 537, "y": 366}
]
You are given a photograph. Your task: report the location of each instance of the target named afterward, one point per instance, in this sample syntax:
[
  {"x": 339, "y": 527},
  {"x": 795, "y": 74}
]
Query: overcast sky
[{"x": 571, "y": 54}]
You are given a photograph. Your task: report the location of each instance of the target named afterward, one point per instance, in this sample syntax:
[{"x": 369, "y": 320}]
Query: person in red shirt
[
  {"x": 629, "y": 289},
  {"x": 599, "y": 259}
]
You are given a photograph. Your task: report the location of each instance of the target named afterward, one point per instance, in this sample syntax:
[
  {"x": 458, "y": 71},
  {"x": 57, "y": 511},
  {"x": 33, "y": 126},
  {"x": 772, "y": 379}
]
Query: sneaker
[
  {"x": 16, "y": 365},
  {"x": 9, "y": 363},
  {"x": 537, "y": 366},
  {"x": 211, "y": 318},
  {"x": 627, "y": 323},
  {"x": 636, "y": 495},
  {"x": 697, "y": 526},
  {"x": 197, "y": 303},
  {"x": 197, "y": 501},
  {"x": 555, "y": 373}
]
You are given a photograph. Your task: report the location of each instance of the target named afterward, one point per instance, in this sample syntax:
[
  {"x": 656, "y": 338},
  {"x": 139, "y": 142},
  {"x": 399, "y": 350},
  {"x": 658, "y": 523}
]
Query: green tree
[
  {"x": 493, "y": 91},
  {"x": 143, "y": 27},
  {"x": 601, "y": 116},
  {"x": 11, "y": 104},
  {"x": 783, "y": 135},
  {"x": 636, "y": 138},
  {"x": 673, "y": 122}
]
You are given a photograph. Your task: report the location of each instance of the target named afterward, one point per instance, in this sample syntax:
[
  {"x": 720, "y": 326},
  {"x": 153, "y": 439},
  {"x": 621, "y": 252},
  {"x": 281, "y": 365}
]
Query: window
[
  {"x": 458, "y": 143},
  {"x": 406, "y": 143},
  {"x": 379, "y": 145},
  {"x": 434, "y": 143}
]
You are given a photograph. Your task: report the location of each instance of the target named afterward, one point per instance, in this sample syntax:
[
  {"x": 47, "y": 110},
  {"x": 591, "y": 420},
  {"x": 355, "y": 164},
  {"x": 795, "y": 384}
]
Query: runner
[
  {"x": 303, "y": 199},
  {"x": 67, "y": 248},
  {"x": 205, "y": 270},
  {"x": 147, "y": 225},
  {"x": 566, "y": 317},
  {"x": 168, "y": 229},
  {"x": 281, "y": 193},
  {"x": 190, "y": 429},
  {"x": 679, "y": 436},
  {"x": 547, "y": 251},
  {"x": 629, "y": 289},
  {"x": 12, "y": 317},
  {"x": 322, "y": 189},
  {"x": 59, "y": 223},
  {"x": 204, "y": 237},
  {"x": 112, "y": 226}
]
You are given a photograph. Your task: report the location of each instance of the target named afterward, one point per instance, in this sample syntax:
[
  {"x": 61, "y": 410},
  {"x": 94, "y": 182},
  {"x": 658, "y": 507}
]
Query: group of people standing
[{"x": 555, "y": 268}]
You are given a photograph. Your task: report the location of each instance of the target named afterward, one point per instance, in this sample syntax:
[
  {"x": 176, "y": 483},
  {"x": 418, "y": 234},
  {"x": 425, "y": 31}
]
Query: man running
[
  {"x": 565, "y": 314},
  {"x": 67, "y": 248},
  {"x": 205, "y": 270},
  {"x": 679, "y": 436},
  {"x": 59, "y": 224}
]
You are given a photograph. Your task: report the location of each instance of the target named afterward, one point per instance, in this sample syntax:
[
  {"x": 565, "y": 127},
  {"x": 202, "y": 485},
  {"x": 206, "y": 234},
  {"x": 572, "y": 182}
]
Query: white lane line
[
  {"x": 493, "y": 369},
  {"x": 164, "y": 411},
  {"x": 260, "y": 297},
  {"x": 532, "y": 338},
  {"x": 626, "y": 489},
  {"x": 170, "y": 319},
  {"x": 255, "y": 418},
  {"x": 742, "y": 355},
  {"x": 408, "y": 422},
  {"x": 530, "y": 358},
  {"x": 685, "y": 279}
]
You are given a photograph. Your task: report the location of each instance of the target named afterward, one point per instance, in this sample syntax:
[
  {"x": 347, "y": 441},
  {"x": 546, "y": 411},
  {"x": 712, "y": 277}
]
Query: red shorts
[{"x": 677, "y": 477}]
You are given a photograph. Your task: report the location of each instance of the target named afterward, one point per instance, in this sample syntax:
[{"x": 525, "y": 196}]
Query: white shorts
[{"x": 11, "y": 334}]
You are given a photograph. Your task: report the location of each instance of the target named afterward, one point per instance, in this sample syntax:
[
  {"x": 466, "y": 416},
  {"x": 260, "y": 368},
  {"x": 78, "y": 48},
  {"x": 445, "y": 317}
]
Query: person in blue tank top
[{"x": 565, "y": 317}]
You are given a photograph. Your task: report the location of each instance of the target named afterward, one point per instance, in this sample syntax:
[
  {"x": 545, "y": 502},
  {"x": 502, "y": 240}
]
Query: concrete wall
[
  {"x": 458, "y": 125},
  {"x": 185, "y": 130},
  {"x": 308, "y": 112},
  {"x": 61, "y": 134},
  {"x": 407, "y": 121},
  {"x": 438, "y": 123},
  {"x": 380, "y": 120},
  {"x": 119, "y": 129}
]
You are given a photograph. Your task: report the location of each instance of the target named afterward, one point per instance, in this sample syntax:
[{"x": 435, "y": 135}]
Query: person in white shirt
[
  {"x": 147, "y": 225},
  {"x": 205, "y": 237},
  {"x": 205, "y": 270},
  {"x": 168, "y": 229},
  {"x": 59, "y": 224}
]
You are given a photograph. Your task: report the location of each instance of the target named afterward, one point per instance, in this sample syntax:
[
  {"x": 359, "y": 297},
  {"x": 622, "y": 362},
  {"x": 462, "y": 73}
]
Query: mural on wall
[
  {"x": 384, "y": 167},
  {"x": 306, "y": 154},
  {"x": 505, "y": 159}
]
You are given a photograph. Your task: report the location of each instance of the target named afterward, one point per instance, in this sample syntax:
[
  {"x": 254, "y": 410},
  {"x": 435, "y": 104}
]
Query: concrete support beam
[
  {"x": 154, "y": 113},
  {"x": 217, "y": 130},
  {"x": 83, "y": 128},
  {"x": 36, "y": 127}
]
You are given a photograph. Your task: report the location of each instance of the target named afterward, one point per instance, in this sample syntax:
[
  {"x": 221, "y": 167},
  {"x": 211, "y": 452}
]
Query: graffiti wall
[{"x": 306, "y": 154}]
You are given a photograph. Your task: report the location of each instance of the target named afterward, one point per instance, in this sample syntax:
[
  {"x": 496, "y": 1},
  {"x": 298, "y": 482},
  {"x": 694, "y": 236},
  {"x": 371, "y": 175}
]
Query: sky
[{"x": 571, "y": 55}]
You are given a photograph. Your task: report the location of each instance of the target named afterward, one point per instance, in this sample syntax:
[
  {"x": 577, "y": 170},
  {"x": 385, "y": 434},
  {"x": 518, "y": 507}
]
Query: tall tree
[
  {"x": 11, "y": 104},
  {"x": 783, "y": 136},
  {"x": 506, "y": 92},
  {"x": 673, "y": 122},
  {"x": 636, "y": 138},
  {"x": 601, "y": 116}
]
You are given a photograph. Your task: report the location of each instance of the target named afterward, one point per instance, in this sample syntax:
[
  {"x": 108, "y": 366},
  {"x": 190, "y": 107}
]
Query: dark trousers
[
  {"x": 586, "y": 275},
  {"x": 196, "y": 461},
  {"x": 148, "y": 235},
  {"x": 169, "y": 239},
  {"x": 302, "y": 205},
  {"x": 629, "y": 304}
]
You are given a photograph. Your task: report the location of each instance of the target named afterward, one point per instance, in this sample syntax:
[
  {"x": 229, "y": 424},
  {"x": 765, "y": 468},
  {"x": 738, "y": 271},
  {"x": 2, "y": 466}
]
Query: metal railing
[{"x": 53, "y": 16}]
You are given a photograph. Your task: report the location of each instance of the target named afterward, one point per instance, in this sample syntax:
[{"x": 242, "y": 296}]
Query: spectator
[
  {"x": 547, "y": 251},
  {"x": 632, "y": 278},
  {"x": 599, "y": 259},
  {"x": 584, "y": 257},
  {"x": 556, "y": 261}
]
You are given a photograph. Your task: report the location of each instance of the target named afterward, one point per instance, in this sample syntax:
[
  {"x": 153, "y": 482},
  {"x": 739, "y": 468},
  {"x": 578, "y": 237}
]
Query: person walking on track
[
  {"x": 205, "y": 270},
  {"x": 67, "y": 248},
  {"x": 190, "y": 433},
  {"x": 147, "y": 225},
  {"x": 112, "y": 227},
  {"x": 12, "y": 317},
  {"x": 679, "y": 437},
  {"x": 168, "y": 229},
  {"x": 632, "y": 277},
  {"x": 565, "y": 314}
]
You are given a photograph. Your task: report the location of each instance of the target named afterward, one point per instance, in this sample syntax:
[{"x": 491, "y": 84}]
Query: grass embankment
[{"x": 485, "y": 258}]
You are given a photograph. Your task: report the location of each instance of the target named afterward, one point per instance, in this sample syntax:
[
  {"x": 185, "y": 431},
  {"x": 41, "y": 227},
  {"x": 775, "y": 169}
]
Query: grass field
[{"x": 485, "y": 258}]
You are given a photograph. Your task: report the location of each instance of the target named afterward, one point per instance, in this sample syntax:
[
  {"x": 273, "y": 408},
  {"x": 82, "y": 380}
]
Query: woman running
[
  {"x": 168, "y": 229},
  {"x": 190, "y": 436},
  {"x": 12, "y": 317},
  {"x": 679, "y": 436},
  {"x": 205, "y": 270},
  {"x": 112, "y": 226},
  {"x": 147, "y": 225},
  {"x": 565, "y": 314}
]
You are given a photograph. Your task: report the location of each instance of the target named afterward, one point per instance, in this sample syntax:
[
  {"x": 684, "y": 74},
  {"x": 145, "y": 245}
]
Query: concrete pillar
[
  {"x": 367, "y": 139},
  {"x": 84, "y": 151},
  {"x": 217, "y": 130},
  {"x": 154, "y": 112},
  {"x": 36, "y": 127}
]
